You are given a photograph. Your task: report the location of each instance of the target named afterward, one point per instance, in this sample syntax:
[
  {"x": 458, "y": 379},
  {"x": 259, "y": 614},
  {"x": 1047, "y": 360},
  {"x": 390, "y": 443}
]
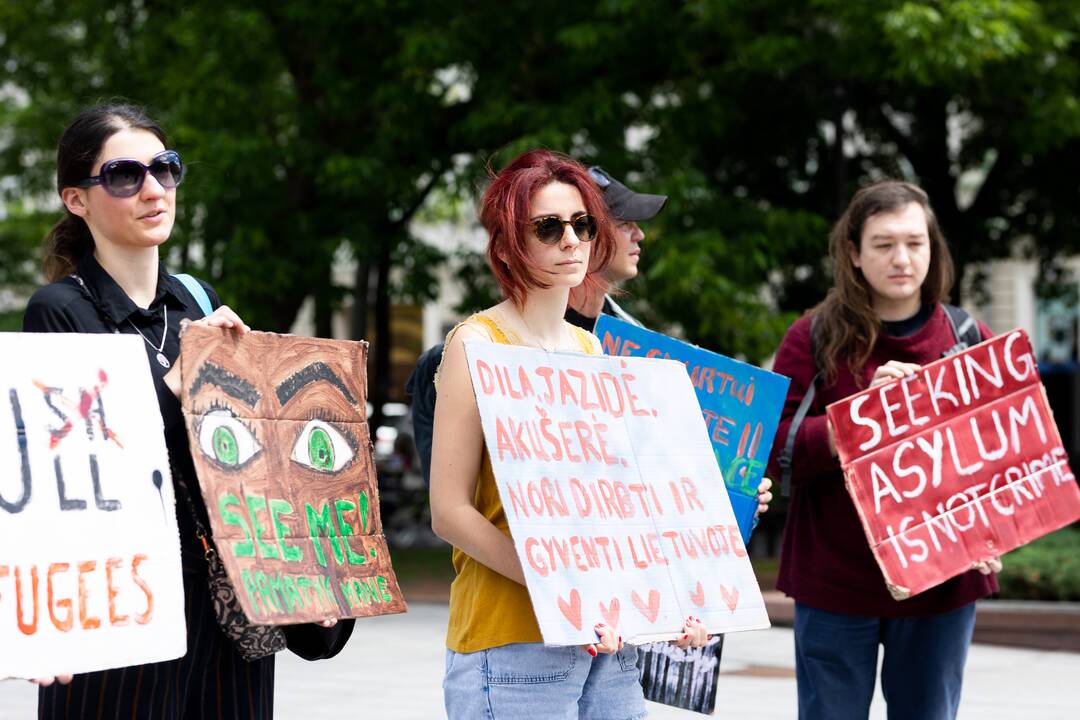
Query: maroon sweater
[{"x": 825, "y": 560}]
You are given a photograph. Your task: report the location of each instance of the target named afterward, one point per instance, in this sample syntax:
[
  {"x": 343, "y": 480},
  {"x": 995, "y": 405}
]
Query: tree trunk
[
  {"x": 358, "y": 328},
  {"x": 324, "y": 307},
  {"x": 380, "y": 378},
  {"x": 840, "y": 195}
]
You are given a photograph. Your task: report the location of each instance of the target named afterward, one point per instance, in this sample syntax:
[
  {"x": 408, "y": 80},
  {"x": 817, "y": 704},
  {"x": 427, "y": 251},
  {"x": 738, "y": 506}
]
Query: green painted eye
[
  {"x": 226, "y": 440},
  {"x": 225, "y": 448},
  {"x": 320, "y": 450},
  {"x": 323, "y": 448}
]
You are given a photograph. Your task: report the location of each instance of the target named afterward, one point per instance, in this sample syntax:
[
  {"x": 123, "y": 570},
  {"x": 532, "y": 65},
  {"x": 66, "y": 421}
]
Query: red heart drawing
[
  {"x": 698, "y": 596},
  {"x": 571, "y": 610},
  {"x": 611, "y": 613},
  {"x": 731, "y": 598},
  {"x": 651, "y": 610}
]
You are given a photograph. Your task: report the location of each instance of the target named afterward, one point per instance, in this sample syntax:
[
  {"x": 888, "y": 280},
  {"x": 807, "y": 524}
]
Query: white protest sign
[
  {"x": 90, "y": 572},
  {"x": 613, "y": 495}
]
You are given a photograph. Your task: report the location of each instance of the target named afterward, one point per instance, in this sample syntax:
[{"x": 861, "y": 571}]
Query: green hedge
[
  {"x": 11, "y": 320},
  {"x": 1047, "y": 569}
]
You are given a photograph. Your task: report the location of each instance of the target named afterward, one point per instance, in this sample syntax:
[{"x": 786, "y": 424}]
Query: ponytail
[{"x": 66, "y": 244}]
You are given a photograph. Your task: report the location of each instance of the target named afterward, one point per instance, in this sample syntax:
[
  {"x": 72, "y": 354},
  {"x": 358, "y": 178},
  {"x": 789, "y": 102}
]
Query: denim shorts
[{"x": 532, "y": 680}]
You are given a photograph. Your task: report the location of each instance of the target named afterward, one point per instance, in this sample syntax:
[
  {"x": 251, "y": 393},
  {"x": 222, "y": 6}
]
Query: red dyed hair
[{"x": 505, "y": 213}]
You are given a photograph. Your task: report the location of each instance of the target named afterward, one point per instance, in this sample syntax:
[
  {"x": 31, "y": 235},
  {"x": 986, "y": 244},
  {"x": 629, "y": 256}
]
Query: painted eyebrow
[
  {"x": 234, "y": 386},
  {"x": 312, "y": 373}
]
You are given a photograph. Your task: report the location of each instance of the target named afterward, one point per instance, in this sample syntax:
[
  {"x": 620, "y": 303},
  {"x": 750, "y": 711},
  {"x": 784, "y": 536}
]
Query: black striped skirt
[{"x": 211, "y": 681}]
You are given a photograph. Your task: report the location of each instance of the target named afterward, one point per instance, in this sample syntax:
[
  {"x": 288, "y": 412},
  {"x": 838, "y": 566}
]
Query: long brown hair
[
  {"x": 846, "y": 325},
  {"x": 70, "y": 239}
]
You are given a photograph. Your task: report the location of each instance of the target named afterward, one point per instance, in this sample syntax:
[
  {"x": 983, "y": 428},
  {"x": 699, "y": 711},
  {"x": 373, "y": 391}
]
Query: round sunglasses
[
  {"x": 549, "y": 230},
  {"x": 124, "y": 177}
]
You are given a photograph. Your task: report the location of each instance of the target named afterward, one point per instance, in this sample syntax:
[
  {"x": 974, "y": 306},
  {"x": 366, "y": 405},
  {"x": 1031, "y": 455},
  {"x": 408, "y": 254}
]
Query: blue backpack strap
[{"x": 197, "y": 291}]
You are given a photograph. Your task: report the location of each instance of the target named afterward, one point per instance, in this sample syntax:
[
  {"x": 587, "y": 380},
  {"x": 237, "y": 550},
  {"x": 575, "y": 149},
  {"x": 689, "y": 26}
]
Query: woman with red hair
[{"x": 548, "y": 231}]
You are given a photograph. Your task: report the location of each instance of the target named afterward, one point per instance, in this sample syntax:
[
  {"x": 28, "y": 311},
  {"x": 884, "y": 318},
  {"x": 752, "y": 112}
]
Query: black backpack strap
[
  {"x": 793, "y": 430},
  {"x": 788, "y": 452},
  {"x": 965, "y": 329}
]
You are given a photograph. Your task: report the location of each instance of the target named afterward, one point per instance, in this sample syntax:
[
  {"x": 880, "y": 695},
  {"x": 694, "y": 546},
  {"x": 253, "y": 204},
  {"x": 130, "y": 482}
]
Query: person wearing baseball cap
[{"x": 628, "y": 208}]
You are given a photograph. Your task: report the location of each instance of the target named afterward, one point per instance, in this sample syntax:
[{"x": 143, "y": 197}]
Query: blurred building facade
[{"x": 1008, "y": 300}]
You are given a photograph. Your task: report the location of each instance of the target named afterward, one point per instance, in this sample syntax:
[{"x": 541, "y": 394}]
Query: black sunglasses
[
  {"x": 124, "y": 177},
  {"x": 549, "y": 230}
]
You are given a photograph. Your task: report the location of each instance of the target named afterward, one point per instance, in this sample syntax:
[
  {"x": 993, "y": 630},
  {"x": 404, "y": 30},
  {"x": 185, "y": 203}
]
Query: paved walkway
[{"x": 393, "y": 666}]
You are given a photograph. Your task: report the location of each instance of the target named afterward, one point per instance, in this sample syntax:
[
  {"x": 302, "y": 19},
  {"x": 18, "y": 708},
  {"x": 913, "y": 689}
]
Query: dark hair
[
  {"x": 847, "y": 326},
  {"x": 504, "y": 213},
  {"x": 76, "y": 154}
]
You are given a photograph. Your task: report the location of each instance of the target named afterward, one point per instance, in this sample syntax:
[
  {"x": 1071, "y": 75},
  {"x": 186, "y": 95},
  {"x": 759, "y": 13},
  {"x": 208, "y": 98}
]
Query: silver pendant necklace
[
  {"x": 536, "y": 338},
  {"x": 162, "y": 360}
]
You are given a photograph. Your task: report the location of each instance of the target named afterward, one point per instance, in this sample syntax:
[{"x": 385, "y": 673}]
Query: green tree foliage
[
  {"x": 309, "y": 126},
  {"x": 306, "y": 125},
  {"x": 775, "y": 111}
]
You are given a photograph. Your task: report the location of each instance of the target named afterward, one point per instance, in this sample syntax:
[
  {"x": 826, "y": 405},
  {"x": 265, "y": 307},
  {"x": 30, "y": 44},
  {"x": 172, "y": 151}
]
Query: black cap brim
[{"x": 636, "y": 207}]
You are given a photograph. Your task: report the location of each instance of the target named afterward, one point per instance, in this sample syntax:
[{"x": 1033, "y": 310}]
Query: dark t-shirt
[
  {"x": 584, "y": 322},
  {"x": 102, "y": 306},
  {"x": 907, "y": 326}
]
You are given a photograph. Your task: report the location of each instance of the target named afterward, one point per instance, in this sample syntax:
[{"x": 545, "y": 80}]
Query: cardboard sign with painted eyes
[{"x": 281, "y": 445}]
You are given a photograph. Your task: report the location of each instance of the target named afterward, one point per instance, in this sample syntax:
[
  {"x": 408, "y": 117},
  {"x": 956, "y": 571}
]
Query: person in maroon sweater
[{"x": 881, "y": 321}]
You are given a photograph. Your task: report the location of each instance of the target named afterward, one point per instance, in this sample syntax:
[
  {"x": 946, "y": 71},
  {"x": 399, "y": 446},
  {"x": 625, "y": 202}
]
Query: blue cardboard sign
[{"x": 741, "y": 404}]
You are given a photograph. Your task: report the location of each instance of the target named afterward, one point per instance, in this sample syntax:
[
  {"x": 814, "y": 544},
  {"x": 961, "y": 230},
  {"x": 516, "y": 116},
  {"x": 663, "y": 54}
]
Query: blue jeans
[
  {"x": 921, "y": 674},
  {"x": 531, "y": 680}
]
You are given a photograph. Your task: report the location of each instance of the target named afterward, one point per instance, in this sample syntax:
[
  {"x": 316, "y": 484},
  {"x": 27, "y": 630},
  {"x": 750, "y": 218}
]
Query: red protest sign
[{"x": 957, "y": 463}]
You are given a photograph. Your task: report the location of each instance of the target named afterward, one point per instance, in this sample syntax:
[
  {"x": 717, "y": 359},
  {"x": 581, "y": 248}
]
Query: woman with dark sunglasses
[
  {"x": 118, "y": 180},
  {"x": 548, "y": 231}
]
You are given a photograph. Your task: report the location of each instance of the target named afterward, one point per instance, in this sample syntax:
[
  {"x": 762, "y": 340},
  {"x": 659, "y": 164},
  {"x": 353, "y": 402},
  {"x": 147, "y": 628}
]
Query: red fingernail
[
  {"x": 620, "y": 638},
  {"x": 685, "y": 635},
  {"x": 592, "y": 651}
]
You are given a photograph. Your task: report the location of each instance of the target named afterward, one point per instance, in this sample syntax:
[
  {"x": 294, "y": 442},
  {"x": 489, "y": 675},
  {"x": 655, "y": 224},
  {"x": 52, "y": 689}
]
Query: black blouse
[{"x": 99, "y": 305}]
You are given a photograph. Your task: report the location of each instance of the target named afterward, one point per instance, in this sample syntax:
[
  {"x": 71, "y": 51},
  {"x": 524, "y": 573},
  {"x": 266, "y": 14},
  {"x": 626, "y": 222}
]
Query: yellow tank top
[{"x": 488, "y": 609}]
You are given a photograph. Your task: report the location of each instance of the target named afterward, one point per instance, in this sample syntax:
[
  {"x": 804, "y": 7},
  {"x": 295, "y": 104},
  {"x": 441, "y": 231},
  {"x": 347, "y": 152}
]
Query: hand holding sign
[{"x": 893, "y": 370}]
